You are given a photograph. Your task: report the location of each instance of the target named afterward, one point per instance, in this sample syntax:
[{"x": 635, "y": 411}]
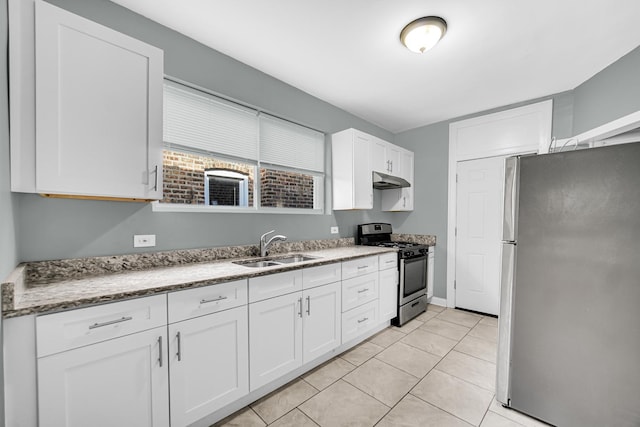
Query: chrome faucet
[{"x": 264, "y": 243}]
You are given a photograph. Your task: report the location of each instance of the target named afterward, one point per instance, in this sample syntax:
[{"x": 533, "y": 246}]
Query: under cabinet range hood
[{"x": 382, "y": 181}]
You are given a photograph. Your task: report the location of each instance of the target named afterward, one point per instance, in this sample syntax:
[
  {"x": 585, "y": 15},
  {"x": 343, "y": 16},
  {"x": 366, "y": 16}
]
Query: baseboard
[{"x": 439, "y": 301}]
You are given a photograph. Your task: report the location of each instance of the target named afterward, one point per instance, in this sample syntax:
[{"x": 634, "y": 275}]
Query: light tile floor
[{"x": 437, "y": 370}]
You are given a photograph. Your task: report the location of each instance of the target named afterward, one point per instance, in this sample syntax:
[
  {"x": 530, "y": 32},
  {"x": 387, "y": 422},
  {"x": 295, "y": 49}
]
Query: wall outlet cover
[
  {"x": 334, "y": 230},
  {"x": 144, "y": 240}
]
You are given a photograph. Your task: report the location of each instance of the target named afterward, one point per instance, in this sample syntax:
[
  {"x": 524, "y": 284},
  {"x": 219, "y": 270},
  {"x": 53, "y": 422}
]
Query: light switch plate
[
  {"x": 334, "y": 230},
  {"x": 144, "y": 240}
]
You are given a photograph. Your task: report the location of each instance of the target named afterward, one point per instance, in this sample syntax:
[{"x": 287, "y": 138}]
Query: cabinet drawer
[
  {"x": 196, "y": 302},
  {"x": 274, "y": 285},
  {"x": 359, "y": 290},
  {"x": 316, "y": 276},
  {"x": 388, "y": 261},
  {"x": 76, "y": 328},
  {"x": 359, "y": 267},
  {"x": 359, "y": 320}
]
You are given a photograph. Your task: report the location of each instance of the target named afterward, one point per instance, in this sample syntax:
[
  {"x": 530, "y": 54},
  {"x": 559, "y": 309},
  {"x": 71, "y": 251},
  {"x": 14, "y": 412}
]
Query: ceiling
[{"x": 348, "y": 53}]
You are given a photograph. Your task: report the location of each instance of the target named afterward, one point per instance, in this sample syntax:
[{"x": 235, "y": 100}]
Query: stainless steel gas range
[{"x": 412, "y": 269}]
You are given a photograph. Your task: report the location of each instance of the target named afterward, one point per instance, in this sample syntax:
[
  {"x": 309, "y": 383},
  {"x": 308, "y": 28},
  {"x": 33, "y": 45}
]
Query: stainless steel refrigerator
[{"x": 569, "y": 325}]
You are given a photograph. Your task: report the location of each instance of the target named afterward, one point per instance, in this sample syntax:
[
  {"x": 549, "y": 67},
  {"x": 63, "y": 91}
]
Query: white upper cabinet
[
  {"x": 98, "y": 112},
  {"x": 355, "y": 155},
  {"x": 351, "y": 160},
  {"x": 386, "y": 157},
  {"x": 401, "y": 199}
]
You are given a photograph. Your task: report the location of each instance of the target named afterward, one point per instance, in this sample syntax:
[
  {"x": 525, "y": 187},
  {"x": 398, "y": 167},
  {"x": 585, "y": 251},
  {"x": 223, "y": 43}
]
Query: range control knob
[
  {"x": 424, "y": 251},
  {"x": 407, "y": 253}
]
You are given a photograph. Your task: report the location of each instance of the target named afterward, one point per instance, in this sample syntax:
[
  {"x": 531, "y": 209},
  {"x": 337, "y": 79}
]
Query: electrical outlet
[
  {"x": 144, "y": 240},
  {"x": 334, "y": 230}
]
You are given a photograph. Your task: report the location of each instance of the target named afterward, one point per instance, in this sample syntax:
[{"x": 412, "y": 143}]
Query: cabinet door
[
  {"x": 379, "y": 156},
  {"x": 388, "y": 294},
  {"x": 430, "y": 271},
  {"x": 121, "y": 382},
  {"x": 322, "y": 321},
  {"x": 275, "y": 338},
  {"x": 401, "y": 199},
  {"x": 98, "y": 109},
  {"x": 363, "y": 184},
  {"x": 209, "y": 358},
  {"x": 393, "y": 157}
]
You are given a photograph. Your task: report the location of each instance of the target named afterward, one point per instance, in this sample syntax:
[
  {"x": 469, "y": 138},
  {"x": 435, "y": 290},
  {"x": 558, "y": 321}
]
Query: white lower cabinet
[
  {"x": 359, "y": 320},
  {"x": 321, "y": 330},
  {"x": 388, "y": 294},
  {"x": 178, "y": 358},
  {"x": 275, "y": 338},
  {"x": 119, "y": 382},
  {"x": 388, "y": 283},
  {"x": 292, "y": 329},
  {"x": 209, "y": 364}
]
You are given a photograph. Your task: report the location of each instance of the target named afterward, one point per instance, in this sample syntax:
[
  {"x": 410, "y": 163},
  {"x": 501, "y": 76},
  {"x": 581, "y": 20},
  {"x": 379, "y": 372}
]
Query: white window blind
[
  {"x": 286, "y": 144},
  {"x": 198, "y": 120}
]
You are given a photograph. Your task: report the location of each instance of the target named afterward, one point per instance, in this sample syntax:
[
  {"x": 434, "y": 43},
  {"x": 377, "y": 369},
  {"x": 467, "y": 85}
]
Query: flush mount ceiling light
[{"x": 424, "y": 33}]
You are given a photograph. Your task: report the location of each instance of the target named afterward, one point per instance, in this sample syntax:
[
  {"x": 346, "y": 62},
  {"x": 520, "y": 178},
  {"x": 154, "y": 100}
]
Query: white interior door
[{"x": 478, "y": 221}]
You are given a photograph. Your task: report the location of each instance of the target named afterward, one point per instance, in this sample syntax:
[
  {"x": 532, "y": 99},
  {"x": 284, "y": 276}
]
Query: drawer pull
[
  {"x": 362, "y": 267},
  {"x": 363, "y": 290},
  {"x": 111, "y": 322},
  {"x": 363, "y": 320},
  {"x": 205, "y": 301}
]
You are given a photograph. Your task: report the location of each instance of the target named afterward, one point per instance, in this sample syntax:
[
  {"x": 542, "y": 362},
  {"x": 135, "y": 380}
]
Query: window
[
  {"x": 215, "y": 149},
  {"x": 225, "y": 188}
]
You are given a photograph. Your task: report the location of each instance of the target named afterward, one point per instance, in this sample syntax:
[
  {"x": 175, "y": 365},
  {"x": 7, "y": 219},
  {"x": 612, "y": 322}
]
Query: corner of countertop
[
  {"x": 423, "y": 239},
  {"x": 13, "y": 287}
]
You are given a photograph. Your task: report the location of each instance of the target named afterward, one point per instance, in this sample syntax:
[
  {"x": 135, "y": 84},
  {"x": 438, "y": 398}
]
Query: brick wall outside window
[
  {"x": 184, "y": 181},
  {"x": 280, "y": 189},
  {"x": 184, "y": 176}
]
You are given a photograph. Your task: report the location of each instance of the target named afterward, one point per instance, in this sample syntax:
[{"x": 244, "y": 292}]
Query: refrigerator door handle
[
  {"x": 510, "y": 218},
  {"x": 507, "y": 283}
]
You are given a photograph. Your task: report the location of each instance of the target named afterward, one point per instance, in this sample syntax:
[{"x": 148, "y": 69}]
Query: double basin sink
[{"x": 273, "y": 261}]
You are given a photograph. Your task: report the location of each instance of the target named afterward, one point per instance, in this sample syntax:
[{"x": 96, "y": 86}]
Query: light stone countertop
[{"x": 21, "y": 299}]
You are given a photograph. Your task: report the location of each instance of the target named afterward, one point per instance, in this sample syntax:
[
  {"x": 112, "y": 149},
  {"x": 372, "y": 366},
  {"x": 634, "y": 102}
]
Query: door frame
[{"x": 519, "y": 130}]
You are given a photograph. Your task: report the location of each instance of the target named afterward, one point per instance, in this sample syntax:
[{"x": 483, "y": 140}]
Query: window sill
[{"x": 175, "y": 207}]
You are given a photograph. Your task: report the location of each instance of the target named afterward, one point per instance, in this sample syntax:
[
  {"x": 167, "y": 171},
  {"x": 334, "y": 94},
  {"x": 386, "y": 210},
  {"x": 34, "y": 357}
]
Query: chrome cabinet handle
[
  {"x": 300, "y": 309},
  {"x": 205, "y": 301},
  {"x": 363, "y": 290},
  {"x": 308, "y": 306},
  {"x": 160, "y": 350},
  {"x": 179, "y": 353},
  {"x": 363, "y": 266},
  {"x": 391, "y": 162},
  {"x": 363, "y": 320},
  {"x": 111, "y": 322}
]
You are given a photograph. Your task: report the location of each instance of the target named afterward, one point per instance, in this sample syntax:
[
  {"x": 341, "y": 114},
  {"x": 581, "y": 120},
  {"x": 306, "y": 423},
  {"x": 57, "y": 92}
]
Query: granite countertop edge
[
  {"x": 51, "y": 286},
  {"x": 19, "y": 300}
]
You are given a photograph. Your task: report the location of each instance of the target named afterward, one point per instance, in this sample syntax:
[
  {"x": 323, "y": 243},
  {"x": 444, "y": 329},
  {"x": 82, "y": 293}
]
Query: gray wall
[
  {"x": 612, "y": 93},
  {"x": 431, "y": 147},
  {"x": 57, "y": 228}
]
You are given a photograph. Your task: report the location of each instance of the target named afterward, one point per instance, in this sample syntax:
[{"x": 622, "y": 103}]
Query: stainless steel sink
[
  {"x": 256, "y": 264},
  {"x": 273, "y": 261},
  {"x": 295, "y": 258}
]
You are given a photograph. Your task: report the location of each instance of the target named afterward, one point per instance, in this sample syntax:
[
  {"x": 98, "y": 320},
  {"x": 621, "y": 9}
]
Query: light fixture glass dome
[{"x": 424, "y": 33}]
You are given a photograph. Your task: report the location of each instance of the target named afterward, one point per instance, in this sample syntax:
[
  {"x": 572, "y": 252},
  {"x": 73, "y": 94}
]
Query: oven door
[{"x": 413, "y": 278}]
